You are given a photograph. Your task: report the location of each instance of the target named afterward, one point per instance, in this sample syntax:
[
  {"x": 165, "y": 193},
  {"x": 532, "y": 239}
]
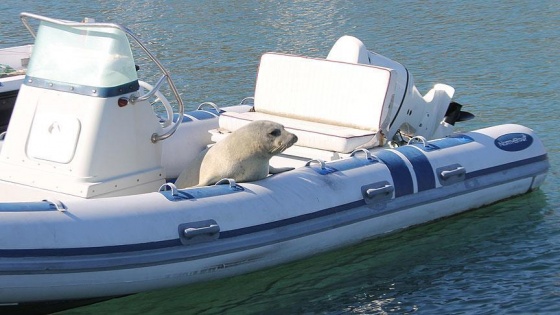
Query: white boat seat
[
  {"x": 310, "y": 134},
  {"x": 319, "y": 99}
]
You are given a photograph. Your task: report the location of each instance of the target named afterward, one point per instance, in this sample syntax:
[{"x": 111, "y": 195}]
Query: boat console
[{"x": 82, "y": 124}]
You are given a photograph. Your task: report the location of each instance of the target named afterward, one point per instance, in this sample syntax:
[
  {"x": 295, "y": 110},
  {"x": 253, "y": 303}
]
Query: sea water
[{"x": 502, "y": 57}]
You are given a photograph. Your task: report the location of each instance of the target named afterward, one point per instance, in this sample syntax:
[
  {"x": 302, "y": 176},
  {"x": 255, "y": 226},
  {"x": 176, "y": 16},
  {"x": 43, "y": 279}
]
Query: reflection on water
[{"x": 500, "y": 56}]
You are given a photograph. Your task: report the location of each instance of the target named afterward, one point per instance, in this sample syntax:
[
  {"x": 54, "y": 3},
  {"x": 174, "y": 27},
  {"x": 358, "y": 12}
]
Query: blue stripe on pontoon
[
  {"x": 425, "y": 177},
  {"x": 238, "y": 232},
  {"x": 203, "y": 114},
  {"x": 400, "y": 173},
  {"x": 41, "y": 252},
  {"x": 174, "y": 242},
  {"x": 292, "y": 220},
  {"x": 503, "y": 167},
  {"x": 185, "y": 118},
  {"x": 444, "y": 143},
  {"x": 199, "y": 115}
]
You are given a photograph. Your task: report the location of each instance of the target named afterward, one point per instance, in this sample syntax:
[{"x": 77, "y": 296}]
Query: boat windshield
[{"x": 85, "y": 55}]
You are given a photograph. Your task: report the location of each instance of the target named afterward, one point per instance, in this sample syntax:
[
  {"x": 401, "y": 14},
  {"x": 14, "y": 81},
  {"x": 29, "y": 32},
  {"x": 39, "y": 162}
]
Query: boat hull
[{"x": 123, "y": 245}]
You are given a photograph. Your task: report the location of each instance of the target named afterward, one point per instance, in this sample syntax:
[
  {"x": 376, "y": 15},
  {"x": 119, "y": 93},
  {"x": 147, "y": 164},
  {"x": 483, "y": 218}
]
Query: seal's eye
[{"x": 275, "y": 132}]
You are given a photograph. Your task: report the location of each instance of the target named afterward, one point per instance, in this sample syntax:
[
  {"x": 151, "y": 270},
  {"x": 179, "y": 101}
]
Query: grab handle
[
  {"x": 198, "y": 232},
  {"x": 191, "y": 232},
  {"x": 451, "y": 174},
  {"x": 459, "y": 171},
  {"x": 385, "y": 191},
  {"x": 378, "y": 192}
]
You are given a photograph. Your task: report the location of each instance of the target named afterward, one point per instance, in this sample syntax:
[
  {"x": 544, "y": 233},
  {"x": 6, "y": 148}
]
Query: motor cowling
[{"x": 411, "y": 114}]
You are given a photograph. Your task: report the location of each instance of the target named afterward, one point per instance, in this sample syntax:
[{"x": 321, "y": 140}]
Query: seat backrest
[{"x": 325, "y": 91}]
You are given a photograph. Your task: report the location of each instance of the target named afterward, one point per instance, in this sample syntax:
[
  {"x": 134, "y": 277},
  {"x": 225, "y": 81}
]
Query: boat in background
[
  {"x": 88, "y": 204},
  {"x": 13, "y": 64}
]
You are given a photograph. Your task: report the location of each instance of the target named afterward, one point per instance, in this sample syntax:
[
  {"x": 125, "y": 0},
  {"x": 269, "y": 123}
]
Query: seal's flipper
[{"x": 274, "y": 170}]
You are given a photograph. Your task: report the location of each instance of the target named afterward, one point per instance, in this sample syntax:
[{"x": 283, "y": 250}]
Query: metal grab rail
[
  {"x": 152, "y": 92},
  {"x": 166, "y": 75}
]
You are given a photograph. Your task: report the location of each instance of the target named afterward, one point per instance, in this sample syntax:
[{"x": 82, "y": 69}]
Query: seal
[{"x": 243, "y": 155}]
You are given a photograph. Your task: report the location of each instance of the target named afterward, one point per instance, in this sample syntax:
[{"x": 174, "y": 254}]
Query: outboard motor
[{"x": 412, "y": 114}]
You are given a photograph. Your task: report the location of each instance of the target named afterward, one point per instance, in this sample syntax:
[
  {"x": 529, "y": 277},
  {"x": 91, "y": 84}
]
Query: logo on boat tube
[{"x": 514, "y": 141}]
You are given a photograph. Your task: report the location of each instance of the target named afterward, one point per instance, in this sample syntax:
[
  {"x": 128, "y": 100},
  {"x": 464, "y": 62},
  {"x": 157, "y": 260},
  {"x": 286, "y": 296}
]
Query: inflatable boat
[{"x": 88, "y": 205}]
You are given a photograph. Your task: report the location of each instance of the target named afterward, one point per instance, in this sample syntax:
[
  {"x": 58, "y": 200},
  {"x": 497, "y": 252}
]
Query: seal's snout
[{"x": 293, "y": 140}]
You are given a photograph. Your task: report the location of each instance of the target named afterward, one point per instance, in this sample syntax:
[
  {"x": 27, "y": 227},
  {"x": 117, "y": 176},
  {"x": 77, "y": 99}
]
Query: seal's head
[{"x": 272, "y": 138}]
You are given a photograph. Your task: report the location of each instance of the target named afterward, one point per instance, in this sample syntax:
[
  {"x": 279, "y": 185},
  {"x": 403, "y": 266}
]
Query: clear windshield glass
[{"x": 90, "y": 56}]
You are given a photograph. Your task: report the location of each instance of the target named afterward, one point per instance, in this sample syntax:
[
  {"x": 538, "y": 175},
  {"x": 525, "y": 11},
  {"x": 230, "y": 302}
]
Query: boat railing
[{"x": 166, "y": 75}]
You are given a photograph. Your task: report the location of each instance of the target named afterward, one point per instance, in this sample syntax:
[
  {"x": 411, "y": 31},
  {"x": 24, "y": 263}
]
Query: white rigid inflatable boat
[{"x": 89, "y": 209}]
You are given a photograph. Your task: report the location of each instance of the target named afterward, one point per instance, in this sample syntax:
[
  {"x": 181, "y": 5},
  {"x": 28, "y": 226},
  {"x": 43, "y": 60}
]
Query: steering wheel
[{"x": 161, "y": 99}]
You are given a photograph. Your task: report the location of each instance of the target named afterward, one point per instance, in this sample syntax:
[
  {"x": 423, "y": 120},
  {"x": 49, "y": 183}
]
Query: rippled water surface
[{"x": 502, "y": 58}]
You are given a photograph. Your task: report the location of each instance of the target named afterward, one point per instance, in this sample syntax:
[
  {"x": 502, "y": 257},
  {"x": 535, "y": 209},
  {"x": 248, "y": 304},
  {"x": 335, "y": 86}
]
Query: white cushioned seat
[
  {"x": 310, "y": 134},
  {"x": 329, "y": 105}
]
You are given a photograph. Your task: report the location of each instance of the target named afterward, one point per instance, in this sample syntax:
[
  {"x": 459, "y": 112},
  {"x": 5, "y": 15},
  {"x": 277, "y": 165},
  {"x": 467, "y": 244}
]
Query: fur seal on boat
[{"x": 243, "y": 155}]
